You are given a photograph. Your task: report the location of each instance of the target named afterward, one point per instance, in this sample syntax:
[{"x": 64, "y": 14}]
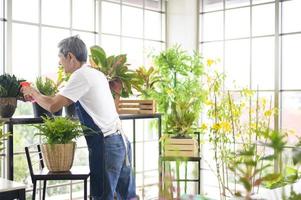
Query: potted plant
[
  {"x": 9, "y": 92},
  {"x": 48, "y": 87},
  {"x": 180, "y": 96},
  {"x": 115, "y": 68},
  {"x": 146, "y": 81},
  {"x": 59, "y": 147},
  {"x": 61, "y": 79}
]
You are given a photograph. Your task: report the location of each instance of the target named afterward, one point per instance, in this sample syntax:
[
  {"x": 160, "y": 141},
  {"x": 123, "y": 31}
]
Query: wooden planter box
[
  {"x": 136, "y": 107},
  {"x": 180, "y": 147}
]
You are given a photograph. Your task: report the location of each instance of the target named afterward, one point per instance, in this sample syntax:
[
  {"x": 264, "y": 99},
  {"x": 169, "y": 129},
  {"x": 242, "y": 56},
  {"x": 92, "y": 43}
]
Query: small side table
[{"x": 10, "y": 190}]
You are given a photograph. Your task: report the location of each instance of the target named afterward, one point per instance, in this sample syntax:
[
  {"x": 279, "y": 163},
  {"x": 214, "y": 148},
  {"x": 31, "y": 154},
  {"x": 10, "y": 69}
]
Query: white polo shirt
[{"x": 91, "y": 88}]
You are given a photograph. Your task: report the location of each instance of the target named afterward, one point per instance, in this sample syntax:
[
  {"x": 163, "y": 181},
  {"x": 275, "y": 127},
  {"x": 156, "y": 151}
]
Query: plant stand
[{"x": 164, "y": 165}]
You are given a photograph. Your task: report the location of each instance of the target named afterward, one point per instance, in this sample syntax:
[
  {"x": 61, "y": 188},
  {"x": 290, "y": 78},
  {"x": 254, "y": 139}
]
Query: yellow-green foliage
[{"x": 46, "y": 86}]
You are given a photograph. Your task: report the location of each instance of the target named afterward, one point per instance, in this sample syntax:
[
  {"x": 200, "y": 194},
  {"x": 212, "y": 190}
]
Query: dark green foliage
[
  {"x": 9, "y": 86},
  {"x": 46, "y": 86},
  {"x": 59, "y": 130}
]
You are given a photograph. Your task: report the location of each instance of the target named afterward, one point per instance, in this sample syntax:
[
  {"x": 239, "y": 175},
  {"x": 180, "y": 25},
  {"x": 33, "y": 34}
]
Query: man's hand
[{"x": 29, "y": 93}]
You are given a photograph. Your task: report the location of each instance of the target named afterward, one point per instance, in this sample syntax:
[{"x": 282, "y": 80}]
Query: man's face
[{"x": 65, "y": 62}]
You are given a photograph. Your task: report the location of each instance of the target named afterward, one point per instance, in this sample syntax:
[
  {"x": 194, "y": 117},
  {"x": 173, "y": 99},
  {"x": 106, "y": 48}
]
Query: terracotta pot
[{"x": 58, "y": 157}]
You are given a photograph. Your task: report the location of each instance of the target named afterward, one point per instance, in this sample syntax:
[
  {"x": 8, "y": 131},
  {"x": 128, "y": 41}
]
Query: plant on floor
[{"x": 234, "y": 118}]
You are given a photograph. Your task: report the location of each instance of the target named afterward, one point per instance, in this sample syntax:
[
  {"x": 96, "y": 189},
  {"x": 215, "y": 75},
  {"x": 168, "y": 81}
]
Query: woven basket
[{"x": 58, "y": 157}]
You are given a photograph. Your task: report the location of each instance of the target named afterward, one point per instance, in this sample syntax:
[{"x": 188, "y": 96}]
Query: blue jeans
[{"x": 119, "y": 176}]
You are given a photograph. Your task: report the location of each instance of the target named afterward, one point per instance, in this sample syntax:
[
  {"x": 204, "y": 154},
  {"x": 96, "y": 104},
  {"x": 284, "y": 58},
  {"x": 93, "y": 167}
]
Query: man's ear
[{"x": 72, "y": 56}]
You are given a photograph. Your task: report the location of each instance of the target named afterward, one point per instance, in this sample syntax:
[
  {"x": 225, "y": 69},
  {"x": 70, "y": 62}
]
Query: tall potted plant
[
  {"x": 59, "y": 134},
  {"x": 48, "y": 87},
  {"x": 9, "y": 92},
  {"x": 115, "y": 68},
  {"x": 179, "y": 95}
]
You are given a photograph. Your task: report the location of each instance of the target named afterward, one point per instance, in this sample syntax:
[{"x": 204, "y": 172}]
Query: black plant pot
[
  {"x": 70, "y": 111},
  {"x": 7, "y": 106},
  {"x": 38, "y": 111}
]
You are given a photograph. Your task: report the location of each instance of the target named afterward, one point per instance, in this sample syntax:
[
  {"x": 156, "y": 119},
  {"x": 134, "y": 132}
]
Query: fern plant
[
  {"x": 59, "y": 130},
  {"x": 46, "y": 86},
  {"x": 9, "y": 85}
]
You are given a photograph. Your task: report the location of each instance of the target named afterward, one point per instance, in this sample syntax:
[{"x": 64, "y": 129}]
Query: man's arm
[{"x": 52, "y": 104}]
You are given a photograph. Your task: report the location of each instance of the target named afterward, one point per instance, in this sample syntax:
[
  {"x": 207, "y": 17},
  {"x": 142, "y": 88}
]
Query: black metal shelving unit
[{"x": 164, "y": 159}]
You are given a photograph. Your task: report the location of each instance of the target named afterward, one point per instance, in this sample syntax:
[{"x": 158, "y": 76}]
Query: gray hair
[{"x": 75, "y": 46}]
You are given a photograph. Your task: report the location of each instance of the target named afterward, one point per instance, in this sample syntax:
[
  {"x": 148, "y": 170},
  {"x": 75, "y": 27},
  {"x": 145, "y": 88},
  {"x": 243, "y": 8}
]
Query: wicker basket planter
[{"x": 58, "y": 157}]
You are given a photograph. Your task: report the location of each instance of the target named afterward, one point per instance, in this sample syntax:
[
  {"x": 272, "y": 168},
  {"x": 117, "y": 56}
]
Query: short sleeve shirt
[{"x": 90, "y": 87}]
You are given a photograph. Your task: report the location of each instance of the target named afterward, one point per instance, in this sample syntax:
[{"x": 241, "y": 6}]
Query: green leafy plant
[
  {"x": 59, "y": 130},
  {"x": 9, "y": 86},
  {"x": 62, "y": 76},
  {"x": 179, "y": 93},
  {"x": 146, "y": 81},
  {"x": 115, "y": 69},
  {"x": 294, "y": 196},
  {"x": 46, "y": 86},
  {"x": 239, "y": 130}
]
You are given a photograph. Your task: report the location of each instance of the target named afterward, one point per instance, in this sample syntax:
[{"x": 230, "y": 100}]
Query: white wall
[{"x": 182, "y": 24}]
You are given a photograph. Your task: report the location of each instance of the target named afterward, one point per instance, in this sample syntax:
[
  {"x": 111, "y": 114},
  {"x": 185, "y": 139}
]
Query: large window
[
  {"x": 34, "y": 30},
  {"x": 135, "y": 27},
  {"x": 31, "y": 30},
  {"x": 258, "y": 43}
]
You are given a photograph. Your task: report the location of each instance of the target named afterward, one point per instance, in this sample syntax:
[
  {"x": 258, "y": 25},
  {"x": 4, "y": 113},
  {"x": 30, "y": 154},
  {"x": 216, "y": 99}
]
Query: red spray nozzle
[{"x": 25, "y": 84}]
